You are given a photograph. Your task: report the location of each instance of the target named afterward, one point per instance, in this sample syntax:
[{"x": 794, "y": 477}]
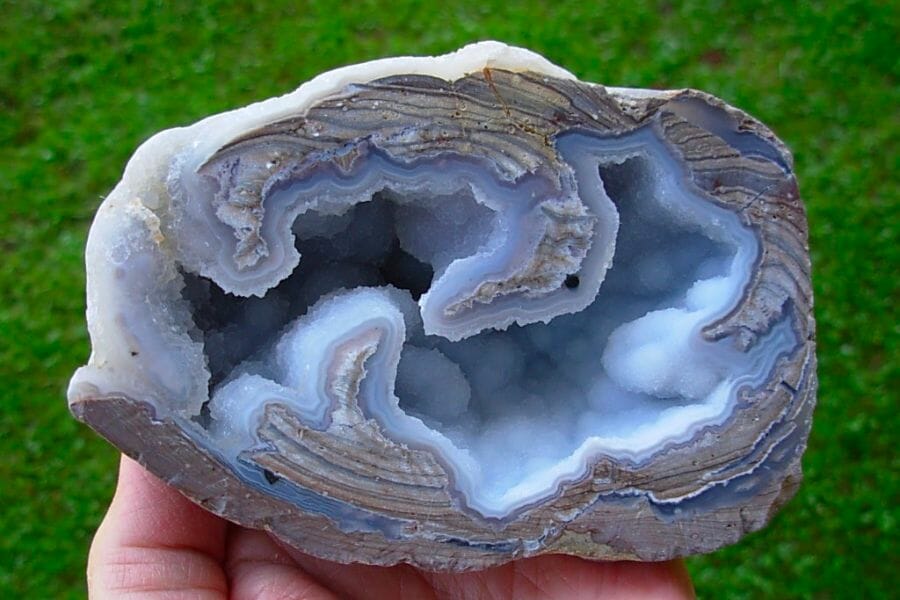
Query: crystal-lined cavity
[{"x": 457, "y": 310}]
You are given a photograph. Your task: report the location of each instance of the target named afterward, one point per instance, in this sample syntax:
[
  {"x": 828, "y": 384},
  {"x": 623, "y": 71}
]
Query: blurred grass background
[{"x": 83, "y": 83}]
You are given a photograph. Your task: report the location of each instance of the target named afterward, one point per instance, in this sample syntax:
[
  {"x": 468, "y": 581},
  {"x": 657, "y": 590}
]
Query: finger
[
  {"x": 259, "y": 568},
  {"x": 364, "y": 581},
  {"x": 558, "y": 576},
  {"x": 552, "y": 576},
  {"x": 154, "y": 542}
]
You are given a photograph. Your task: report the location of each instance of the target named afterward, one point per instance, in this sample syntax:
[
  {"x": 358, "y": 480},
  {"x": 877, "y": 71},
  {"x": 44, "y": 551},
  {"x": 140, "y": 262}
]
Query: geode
[{"x": 453, "y": 311}]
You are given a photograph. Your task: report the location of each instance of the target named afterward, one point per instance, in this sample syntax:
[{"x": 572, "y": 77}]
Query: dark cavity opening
[
  {"x": 403, "y": 270},
  {"x": 373, "y": 244},
  {"x": 271, "y": 477}
]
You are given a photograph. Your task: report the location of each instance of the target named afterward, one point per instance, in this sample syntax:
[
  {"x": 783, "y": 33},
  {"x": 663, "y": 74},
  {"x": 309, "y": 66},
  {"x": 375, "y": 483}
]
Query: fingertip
[
  {"x": 681, "y": 579},
  {"x": 145, "y": 511},
  {"x": 668, "y": 580},
  {"x": 154, "y": 540},
  {"x": 571, "y": 577},
  {"x": 259, "y": 568}
]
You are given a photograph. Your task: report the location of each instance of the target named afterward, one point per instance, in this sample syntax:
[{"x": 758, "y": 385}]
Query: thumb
[{"x": 155, "y": 542}]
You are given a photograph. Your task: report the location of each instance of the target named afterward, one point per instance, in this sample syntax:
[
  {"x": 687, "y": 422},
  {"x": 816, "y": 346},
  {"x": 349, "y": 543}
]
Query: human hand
[{"x": 154, "y": 543}]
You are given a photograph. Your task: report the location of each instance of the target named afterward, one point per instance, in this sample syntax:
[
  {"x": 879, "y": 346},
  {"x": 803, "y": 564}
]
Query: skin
[{"x": 155, "y": 544}]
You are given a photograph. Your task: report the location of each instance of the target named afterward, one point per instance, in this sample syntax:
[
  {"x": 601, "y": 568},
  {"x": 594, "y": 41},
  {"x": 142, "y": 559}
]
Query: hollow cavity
[{"x": 511, "y": 413}]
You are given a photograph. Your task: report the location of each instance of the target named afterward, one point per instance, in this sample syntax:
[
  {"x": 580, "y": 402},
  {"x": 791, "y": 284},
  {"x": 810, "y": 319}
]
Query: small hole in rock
[
  {"x": 572, "y": 281},
  {"x": 271, "y": 477},
  {"x": 404, "y": 271}
]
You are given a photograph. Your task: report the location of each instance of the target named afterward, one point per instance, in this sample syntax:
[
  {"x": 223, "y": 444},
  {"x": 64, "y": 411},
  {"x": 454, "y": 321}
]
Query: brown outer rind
[{"x": 675, "y": 504}]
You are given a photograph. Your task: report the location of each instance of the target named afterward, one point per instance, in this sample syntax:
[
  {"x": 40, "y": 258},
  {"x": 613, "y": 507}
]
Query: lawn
[{"x": 83, "y": 83}]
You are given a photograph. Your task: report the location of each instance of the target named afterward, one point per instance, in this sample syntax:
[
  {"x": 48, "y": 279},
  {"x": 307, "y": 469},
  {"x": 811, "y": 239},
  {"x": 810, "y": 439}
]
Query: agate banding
[{"x": 453, "y": 311}]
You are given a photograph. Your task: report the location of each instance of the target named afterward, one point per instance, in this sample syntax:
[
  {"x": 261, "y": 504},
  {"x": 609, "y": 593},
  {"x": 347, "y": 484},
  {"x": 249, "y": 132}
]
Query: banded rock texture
[{"x": 453, "y": 311}]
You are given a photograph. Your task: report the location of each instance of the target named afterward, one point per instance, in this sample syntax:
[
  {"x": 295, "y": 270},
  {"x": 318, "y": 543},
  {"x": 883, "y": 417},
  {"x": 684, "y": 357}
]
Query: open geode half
[{"x": 457, "y": 310}]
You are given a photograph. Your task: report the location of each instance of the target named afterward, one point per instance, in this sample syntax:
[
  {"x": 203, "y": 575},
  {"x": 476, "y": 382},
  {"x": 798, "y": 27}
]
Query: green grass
[{"x": 83, "y": 83}]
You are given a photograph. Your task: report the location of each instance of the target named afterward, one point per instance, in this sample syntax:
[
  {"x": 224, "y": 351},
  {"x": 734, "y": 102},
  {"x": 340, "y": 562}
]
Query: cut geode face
[{"x": 457, "y": 310}]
